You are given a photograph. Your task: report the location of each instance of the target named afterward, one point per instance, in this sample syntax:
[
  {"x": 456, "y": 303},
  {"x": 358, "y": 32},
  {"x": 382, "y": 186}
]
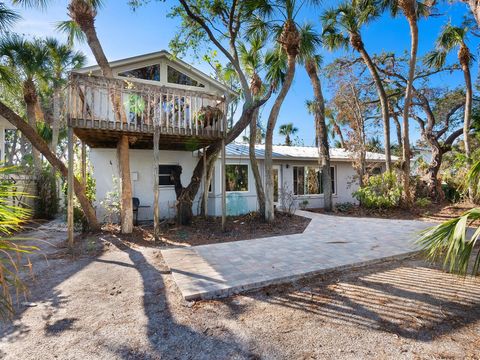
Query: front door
[{"x": 277, "y": 181}]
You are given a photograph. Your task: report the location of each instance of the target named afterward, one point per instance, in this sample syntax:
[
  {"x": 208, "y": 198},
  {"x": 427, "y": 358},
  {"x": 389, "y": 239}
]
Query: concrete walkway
[{"x": 329, "y": 243}]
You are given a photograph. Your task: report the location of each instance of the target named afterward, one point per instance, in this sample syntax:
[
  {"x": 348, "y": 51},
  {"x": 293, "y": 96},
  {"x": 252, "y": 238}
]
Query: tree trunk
[
  {"x": 30, "y": 98},
  {"x": 56, "y": 119},
  {"x": 126, "y": 211},
  {"x": 475, "y": 8},
  {"x": 466, "y": 120},
  {"x": 434, "y": 186},
  {"x": 321, "y": 133},
  {"x": 398, "y": 129},
  {"x": 254, "y": 164},
  {"x": 383, "y": 105},
  {"x": 272, "y": 120},
  {"x": 42, "y": 146},
  {"x": 210, "y": 173},
  {"x": 412, "y": 21}
]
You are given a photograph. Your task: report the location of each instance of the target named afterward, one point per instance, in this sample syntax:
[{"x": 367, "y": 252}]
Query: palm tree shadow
[{"x": 167, "y": 337}]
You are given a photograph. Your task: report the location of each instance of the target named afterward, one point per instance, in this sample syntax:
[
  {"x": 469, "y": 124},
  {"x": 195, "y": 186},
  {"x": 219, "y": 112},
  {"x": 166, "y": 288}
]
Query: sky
[{"x": 124, "y": 33}]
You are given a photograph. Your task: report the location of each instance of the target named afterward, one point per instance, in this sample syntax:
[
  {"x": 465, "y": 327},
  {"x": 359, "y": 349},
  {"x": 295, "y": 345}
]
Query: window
[
  {"x": 307, "y": 180},
  {"x": 165, "y": 172},
  {"x": 151, "y": 72},
  {"x": 236, "y": 177},
  {"x": 176, "y": 77}
]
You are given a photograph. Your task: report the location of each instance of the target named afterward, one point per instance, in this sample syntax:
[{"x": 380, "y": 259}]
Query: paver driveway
[{"x": 328, "y": 243}]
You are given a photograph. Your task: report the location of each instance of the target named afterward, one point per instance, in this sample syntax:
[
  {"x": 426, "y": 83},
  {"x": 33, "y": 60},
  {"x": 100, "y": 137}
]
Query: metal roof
[{"x": 235, "y": 150}]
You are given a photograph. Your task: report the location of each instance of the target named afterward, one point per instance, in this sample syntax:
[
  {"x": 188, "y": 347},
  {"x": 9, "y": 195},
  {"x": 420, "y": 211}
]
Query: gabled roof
[
  {"x": 236, "y": 150},
  {"x": 158, "y": 55}
]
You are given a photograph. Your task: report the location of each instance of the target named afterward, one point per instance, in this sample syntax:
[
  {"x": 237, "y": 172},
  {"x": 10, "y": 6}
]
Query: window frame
[
  {"x": 197, "y": 87},
  {"x": 164, "y": 175},
  {"x": 334, "y": 181},
  {"x": 248, "y": 179},
  {"x": 146, "y": 81}
]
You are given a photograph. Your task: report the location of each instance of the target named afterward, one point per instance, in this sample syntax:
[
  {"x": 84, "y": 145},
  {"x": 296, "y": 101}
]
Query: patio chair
[{"x": 135, "y": 206}]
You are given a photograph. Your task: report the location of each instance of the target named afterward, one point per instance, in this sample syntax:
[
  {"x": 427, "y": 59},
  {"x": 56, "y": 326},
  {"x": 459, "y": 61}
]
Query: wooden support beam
[
  {"x": 126, "y": 208},
  {"x": 84, "y": 164},
  {"x": 156, "y": 185},
  {"x": 70, "y": 179},
  {"x": 224, "y": 196},
  {"x": 205, "y": 185}
]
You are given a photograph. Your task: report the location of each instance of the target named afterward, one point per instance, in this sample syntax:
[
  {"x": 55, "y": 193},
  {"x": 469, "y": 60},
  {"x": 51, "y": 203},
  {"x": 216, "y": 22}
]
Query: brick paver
[{"x": 329, "y": 243}]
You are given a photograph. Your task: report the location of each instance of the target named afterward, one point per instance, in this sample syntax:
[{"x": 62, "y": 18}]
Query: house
[
  {"x": 295, "y": 169},
  {"x": 188, "y": 108}
]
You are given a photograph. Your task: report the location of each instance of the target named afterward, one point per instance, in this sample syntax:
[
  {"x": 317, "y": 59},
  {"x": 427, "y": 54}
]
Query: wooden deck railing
[{"x": 127, "y": 105}]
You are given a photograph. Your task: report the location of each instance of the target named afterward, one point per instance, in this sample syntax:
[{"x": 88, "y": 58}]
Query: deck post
[
  {"x": 205, "y": 185},
  {"x": 126, "y": 208},
  {"x": 224, "y": 197},
  {"x": 70, "y": 180},
  {"x": 156, "y": 185},
  {"x": 84, "y": 164}
]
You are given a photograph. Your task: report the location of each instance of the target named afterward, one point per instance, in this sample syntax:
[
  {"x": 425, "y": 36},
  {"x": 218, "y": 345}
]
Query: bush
[
  {"x": 46, "y": 201},
  {"x": 303, "y": 205},
  {"x": 423, "y": 202},
  {"x": 381, "y": 191},
  {"x": 344, "y": 207},
  {"x": 111, "y": 203},
  {"x": 287, "y": 200}
]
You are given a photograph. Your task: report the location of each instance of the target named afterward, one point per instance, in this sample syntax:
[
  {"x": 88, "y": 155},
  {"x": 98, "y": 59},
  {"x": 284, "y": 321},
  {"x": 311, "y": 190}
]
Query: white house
[
  {"x": 296, "y": 171},
  {"x": 189, "y": 107}
]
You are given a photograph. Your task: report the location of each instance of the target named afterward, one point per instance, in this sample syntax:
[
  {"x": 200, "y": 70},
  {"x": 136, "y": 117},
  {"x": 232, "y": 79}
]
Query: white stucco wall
[{"x": 105, "y": 165}]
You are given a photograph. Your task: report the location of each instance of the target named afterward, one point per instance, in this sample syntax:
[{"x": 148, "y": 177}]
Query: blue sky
[{"x": 125, "y": 33}]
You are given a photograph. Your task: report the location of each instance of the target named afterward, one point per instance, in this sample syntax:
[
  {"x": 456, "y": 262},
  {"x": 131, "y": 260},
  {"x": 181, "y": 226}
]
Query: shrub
[
  {"x": 344, "y": 207},
  {"x": 11, "y": 220},
  {"x": 111, "y": 203},
  {"x": 303, "y": 205},
  {"x": 381, "y": 191},
  {"x": 287, "y": 200},
  {"x": 423, "y": 202}
]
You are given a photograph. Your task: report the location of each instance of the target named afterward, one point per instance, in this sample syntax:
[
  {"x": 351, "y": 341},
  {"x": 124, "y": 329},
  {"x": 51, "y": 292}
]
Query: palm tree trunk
[
  {"x": 56, "y": 119},
  {"x": 84, "y": 15},
  {"x": 254, "y": 163},
  {"x": 383, "y": 105},
  {"x": 321, "y": 133},
  {"x": 412, "y": 22},
  {"x": 272, "y": 120},
  {"x": 40, "y": 145},
  {"x": 32, "y": 120},
  {"x": 467, "y": 119}
]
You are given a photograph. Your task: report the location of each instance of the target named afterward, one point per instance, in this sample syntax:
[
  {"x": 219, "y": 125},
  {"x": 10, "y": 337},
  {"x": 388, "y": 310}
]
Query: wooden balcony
[{"x": 101, "y": 110}]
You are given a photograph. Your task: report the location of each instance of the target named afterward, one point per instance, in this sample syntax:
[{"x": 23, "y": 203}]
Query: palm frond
[
  {"x": 72, "y": 30},
  {"x": 452, "y": 242},
  {"x": 435, "y": 59}
]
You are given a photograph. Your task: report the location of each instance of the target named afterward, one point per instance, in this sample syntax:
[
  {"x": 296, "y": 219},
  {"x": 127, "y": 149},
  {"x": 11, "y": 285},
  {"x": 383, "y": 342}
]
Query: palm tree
[
  {"x": 317, "y": 108},
  {"x": 251, "y": 59},
  {"x": 287, "y": 130},
  {"x": 29, "y": 60},
  {"x": 276, "y": 18},
  {"x": 452, "y": 37},
  {"x": 451, "y": 240},
  {"x": 62, "y": 59},
  {"x": 412, "y": 10},
  {"x": 341, "y": 27}
]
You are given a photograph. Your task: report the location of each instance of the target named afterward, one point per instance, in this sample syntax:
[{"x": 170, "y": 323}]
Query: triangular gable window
[
  {"x": 176, "y": 77},
  {"x": 151, "y": 72}
]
